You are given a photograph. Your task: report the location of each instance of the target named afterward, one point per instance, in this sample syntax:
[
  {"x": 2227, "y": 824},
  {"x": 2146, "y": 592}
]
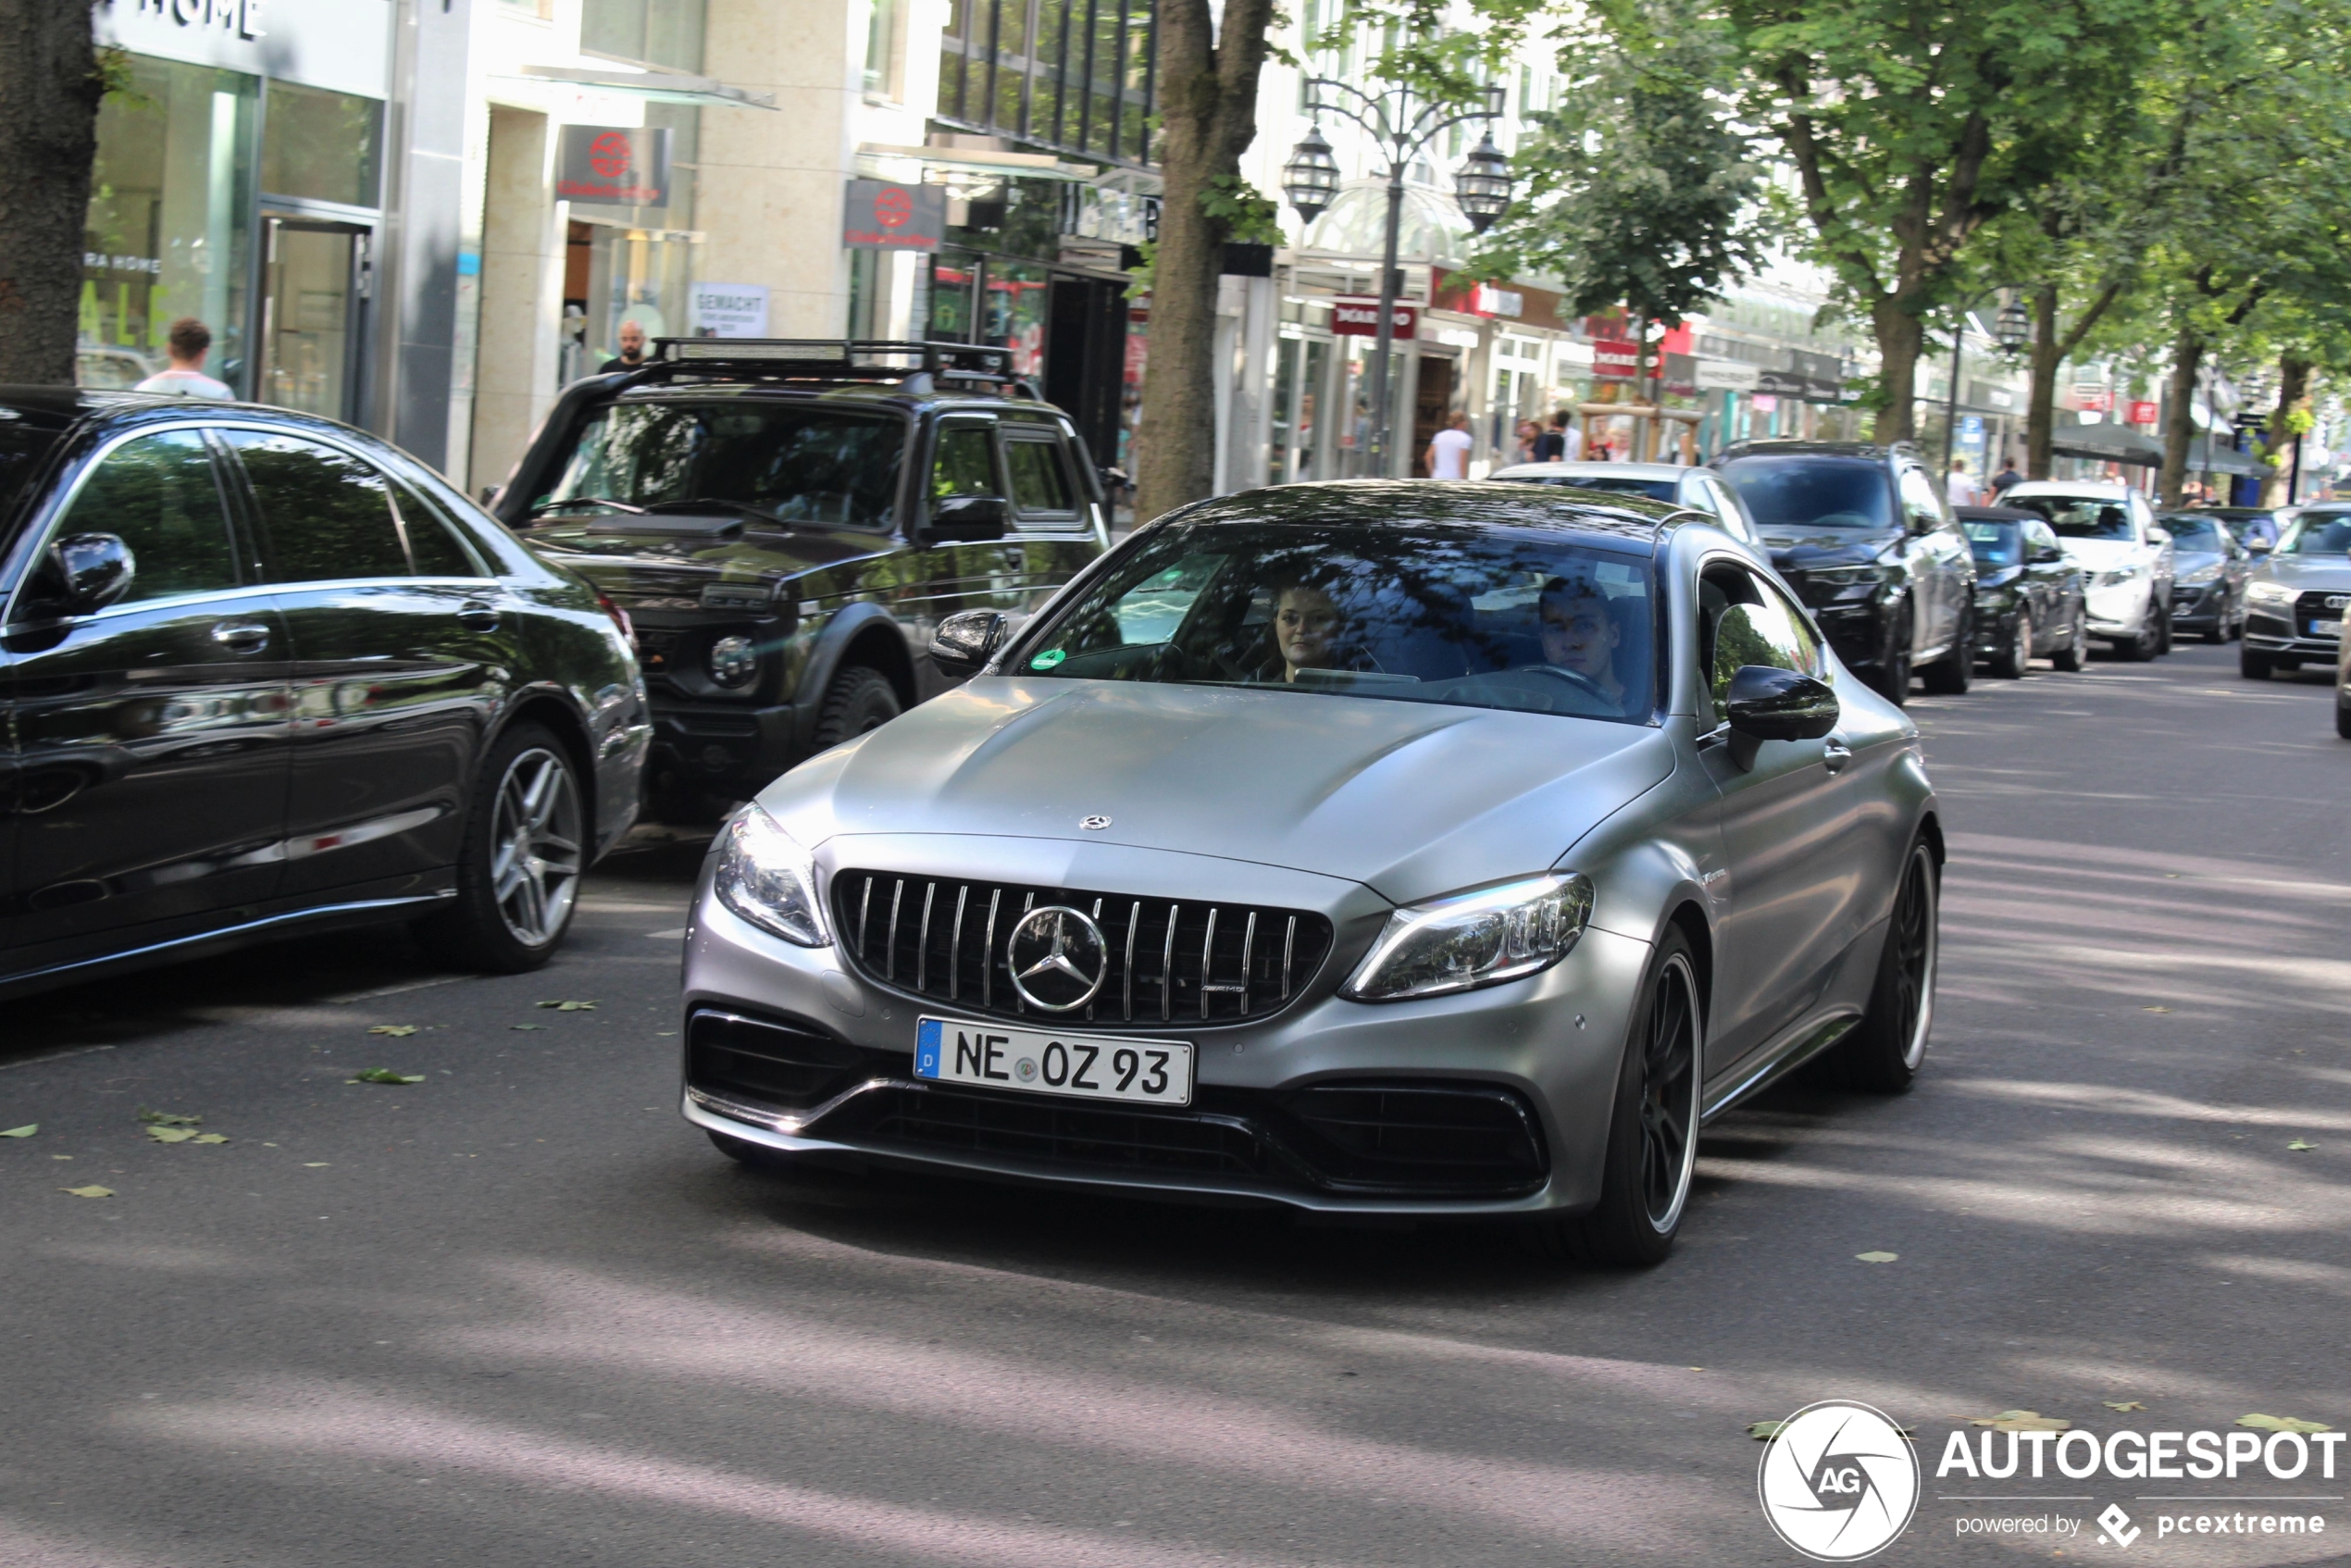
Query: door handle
[
  {"x": 1834, "y": 754},
  {"x": 242, "y": 637},
  {"x": 475, "y": 615}
]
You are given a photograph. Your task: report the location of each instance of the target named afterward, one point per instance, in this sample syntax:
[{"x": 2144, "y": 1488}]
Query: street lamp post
[
  {"x": 2011, "y": 329},
  {"x": 1311, "y": 181}
]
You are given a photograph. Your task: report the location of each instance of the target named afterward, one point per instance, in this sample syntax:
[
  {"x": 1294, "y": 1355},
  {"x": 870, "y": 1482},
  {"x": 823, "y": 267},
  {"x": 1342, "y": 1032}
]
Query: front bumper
[
  {"x": 734, "y": 749},
  {"x": 1551, "y": 1044},
  {"x": 2277, "y": 630},
  {"x": 2121, "y": 609},
  {"x": 2201, "y": 605}
]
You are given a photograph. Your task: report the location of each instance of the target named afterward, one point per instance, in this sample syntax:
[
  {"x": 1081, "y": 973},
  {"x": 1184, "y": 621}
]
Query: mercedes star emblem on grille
[
  {"x": 1057, "y": 957},
  {"x": 1093, "y": 824}
]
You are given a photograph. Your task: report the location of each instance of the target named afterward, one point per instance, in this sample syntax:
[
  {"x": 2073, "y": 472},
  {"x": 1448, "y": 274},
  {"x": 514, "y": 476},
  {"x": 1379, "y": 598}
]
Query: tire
[
  {"x": 2149, "y": 644},
  {"x": 2219, "y": 632},
  {"x": 1885, "y": 1051},
  {"x": 859, "y": 698},
  {"x": 1949, "y": 676},
  {"x": 2342, "y": 715},
  {"x": 1891, "y": 679},
  {"x": 2253, "y": 664},
  {"x": 1653, "y": 1137},
  {"x": 519, "y": 860},
  {"x": 2076, "y": 652},
  {"x": 2286, "y": 663},
  {"x": 2010, "y": 663},
  {"x": 2163, "y": 635}
]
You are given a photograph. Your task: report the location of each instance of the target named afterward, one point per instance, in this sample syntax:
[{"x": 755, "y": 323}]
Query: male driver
[
  {"x": 1448, "y": 450},
  {"x": 1578, "y": 634},
  {"x": 190, "y": 341},
  {"x": 632, "y": 349}
]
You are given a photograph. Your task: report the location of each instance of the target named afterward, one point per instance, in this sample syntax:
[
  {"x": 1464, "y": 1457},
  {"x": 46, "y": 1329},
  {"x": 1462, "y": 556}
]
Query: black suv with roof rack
[{"x": 788, "y": 522}]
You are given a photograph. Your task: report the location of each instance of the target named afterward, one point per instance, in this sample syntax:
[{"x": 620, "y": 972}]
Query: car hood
[
  {"x": 1796, "y": 549},
  {"x": 2106, "y": 555},
  {"x": 1409, "y": 799},
  {"x": 2331, "y": 572},
  {"x": 644, "y": 556},
  {"x": 2186, "y": 561}
]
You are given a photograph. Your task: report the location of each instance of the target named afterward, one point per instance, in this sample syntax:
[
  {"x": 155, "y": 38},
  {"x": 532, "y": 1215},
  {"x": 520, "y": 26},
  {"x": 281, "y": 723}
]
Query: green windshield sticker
[{"x": 1048, "y": 659}]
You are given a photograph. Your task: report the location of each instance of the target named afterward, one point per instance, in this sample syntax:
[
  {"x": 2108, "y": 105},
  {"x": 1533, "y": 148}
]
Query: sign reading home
[
  {"x": 879, "y": 215},
  {"x": 617, "y": 165}
]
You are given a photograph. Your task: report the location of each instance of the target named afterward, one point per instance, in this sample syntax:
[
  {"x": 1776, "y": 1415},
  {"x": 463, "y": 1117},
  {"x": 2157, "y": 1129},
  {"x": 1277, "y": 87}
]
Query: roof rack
[{"x": 833, "y": 359}]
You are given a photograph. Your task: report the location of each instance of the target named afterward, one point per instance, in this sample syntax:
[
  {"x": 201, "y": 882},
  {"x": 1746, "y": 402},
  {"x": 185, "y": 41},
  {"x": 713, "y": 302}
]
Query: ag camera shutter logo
[{"x": 1838, "y": 1482}]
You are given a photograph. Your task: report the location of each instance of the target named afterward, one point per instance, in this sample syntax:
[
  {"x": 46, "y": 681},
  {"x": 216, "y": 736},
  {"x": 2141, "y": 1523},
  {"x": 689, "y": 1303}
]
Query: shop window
[
  {"x": 322, "y": 146},
  {"x": 658, "y": 32},
  {"x": 170, "y": 229},
  {"x": 1074, "y": 74}
]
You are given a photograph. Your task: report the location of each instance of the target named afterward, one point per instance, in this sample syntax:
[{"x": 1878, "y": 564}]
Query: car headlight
[
  {"x": 768, "y": 879},
  {"x": 2268, "y": 592},
  {"x": 2199, "y": 576},
  {"x": 733, "y": 661},
  {"x": 1840, "y": 576},
  {"x": 1476, "y": 938}
]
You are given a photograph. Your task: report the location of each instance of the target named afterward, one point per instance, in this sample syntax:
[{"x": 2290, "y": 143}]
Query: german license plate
[{"x": 1148, "y": 1072}]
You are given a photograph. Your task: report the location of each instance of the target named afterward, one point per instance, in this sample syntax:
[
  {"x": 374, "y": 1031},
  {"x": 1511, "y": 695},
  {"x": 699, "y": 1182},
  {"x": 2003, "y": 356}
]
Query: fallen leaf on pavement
[
  {"x": 2297, "y": 1145},
  {"x": 570, "y": 1006},
  {"x": 314, "y": 1164},
  {"x": 1877, "y": 1257},
  {"x": 385, "y": 1076},
  {"x": 170, "y": 1135},
  {"x": 166, "y": 1119},
  {"x": 2021, "y": 1421},
  {"x": 108, "y": 1192},
  {"x": 25, "y": 1131},
  {"x": 1764, "y": 1431},
  {"x": 397, "y": 1031},
  {"x": 2283, "y": 1424},
  {"x": 2155, "y": 1010},
  {"x": 2124, "y": 1405},
  {"x": 209, "y": 1138},
  {"x": 526, "y": 1025}
]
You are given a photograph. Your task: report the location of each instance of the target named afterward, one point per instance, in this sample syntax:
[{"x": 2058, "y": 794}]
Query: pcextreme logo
[{"x": 1838, "y": 1481}]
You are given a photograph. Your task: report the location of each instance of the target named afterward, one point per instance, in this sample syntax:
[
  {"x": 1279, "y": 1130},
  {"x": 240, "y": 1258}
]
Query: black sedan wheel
[
  {"x": 2253, "y": 664},
  {"x": 1652, "y": 1142},
  {"x": 1886, "y": 1048},
  {"x": 2076, "y": 652},
  {"x": 2014, "y": 658},
  {"x": 518, "y": 868},
  {"x": 1947, "y": 676},
  {"x": 1891, "y": 679}
]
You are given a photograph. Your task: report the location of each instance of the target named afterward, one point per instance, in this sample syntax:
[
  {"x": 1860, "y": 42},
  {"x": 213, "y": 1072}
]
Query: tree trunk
[
  {"x": 1901, "y": 337},
  {"x": 2179, "y": 419},
  {"x": 49, "y": 93},
  {"x": 2040, "y": 416},
  {"x": 2294, "y": 395},
  {"x": 1208, "y": 107}
]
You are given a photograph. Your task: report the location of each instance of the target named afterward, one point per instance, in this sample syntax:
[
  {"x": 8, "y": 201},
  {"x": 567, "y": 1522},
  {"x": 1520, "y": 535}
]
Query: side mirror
[
  {"x": 2261, "y": 546},
  {"x": 2159, "y": 536},
  {"x": 1923, "y": 523},
  {"x": 94, "y": 569},
  {"x": 1766, "y": 703},
  {"x": 965, "y": 642},
  {"x": 2044, "y": 554},
  {"x": 968, "y": 519}
]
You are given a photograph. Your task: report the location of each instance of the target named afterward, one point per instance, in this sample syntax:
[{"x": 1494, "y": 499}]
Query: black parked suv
[
  {"x": 1862, "y": 533},
  {"x": 262, "y": 673},
  {"x": 788, "y": 523}
]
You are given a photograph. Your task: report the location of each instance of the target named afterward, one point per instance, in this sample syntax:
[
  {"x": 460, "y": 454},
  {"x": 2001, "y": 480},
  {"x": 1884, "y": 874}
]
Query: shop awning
[
  {"x": 659, "y": 86},
  {"x": 2222, "y": 460},
  {"x": 984, "y": 160},
  {"x": 2106, "y": 443}
]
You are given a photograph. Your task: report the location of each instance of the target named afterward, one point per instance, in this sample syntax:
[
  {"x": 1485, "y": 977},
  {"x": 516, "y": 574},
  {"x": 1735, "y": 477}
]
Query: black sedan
[
  {"x": 263, "y": 673},
  {"x": 2028, "y": 595},
  {"x": 2210, "y": 566}
]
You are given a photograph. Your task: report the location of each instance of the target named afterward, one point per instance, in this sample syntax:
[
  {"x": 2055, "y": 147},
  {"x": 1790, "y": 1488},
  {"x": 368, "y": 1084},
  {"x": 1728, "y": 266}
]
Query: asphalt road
[{"x": 520, "y": 1312}]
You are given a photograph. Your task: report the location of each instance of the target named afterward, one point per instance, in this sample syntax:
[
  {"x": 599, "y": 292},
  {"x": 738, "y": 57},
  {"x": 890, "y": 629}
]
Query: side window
[
  {"x": 157, "y": 494},
  {"x": 1744, "y": 621},
  {"x": 1918, "y": 499},
  {"x": 435, "y": 544},
  {"x": 329, "y": 513},
  {"x": 1040, "y": 485},
  {"x": 965, "y": 464}
]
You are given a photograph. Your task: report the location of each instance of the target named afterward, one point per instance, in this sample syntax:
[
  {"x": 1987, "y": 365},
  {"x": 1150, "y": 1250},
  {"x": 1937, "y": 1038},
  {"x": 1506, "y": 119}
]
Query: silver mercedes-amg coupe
[{"x": 1393, "y": 848}]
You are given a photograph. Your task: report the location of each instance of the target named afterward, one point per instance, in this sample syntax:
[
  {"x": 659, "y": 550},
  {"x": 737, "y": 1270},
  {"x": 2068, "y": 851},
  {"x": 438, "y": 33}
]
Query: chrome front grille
[{"x": 1169, "y": 961}]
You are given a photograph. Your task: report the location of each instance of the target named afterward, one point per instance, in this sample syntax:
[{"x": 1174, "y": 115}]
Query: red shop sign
[
  {"x": 1618, "y": 358},
  {"x": 2144, "y": 413},
  {"x": 1360, "y": 318}
]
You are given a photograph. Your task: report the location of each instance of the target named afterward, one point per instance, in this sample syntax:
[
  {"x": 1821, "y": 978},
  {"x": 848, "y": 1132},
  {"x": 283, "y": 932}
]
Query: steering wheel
[{"x": 1575, "y": 678}]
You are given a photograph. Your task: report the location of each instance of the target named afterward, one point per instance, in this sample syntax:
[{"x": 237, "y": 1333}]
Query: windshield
[
  {"x": 2194, "y": 534},
  {"x": 1656, "y": 489},
  {"x": 2080, "y": 517},
  {"x": 1813, "y": 492},
  {"x": 2319, "y": 533},
  {"x": 1996, "y": 545},
  {"x": 1471, "y": 617},
  {"x": 796, "y": 463}
]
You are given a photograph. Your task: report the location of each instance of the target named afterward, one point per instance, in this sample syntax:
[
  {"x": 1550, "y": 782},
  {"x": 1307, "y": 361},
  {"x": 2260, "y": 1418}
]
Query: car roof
[
  {"x": 1607, "y": 521},
  {"x": 896, "y": 396},
  {"x": 1594, "y": 470},
  {"x": 2093, "y": 489},
  {"x": 1995, "y": 514},
  {"x": 1747, "y": 449}
]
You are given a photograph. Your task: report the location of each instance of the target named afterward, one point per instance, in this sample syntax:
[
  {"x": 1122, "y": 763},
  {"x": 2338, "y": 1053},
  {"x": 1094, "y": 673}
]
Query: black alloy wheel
[
  {"x": 524, "y": 847},
  {"x": 2076, "y": 651},
  {"x": 2163, "y": 637},
  {"x": 1886, "y": 1048},
  {"x": 1891, "y": 679},
  {"x": 2253, "y": 664},
  {"x": 2011, "y": 661},
  {"x": 1948, "y": 676},
  {"x": 1651, "y": 1157}
]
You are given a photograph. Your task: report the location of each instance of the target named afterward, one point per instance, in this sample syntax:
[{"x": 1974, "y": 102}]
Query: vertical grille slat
[{"x": 1213, "y": 949}]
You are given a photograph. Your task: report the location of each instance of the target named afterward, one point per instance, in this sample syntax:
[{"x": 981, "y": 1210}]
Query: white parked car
[
  {"x": 2110, "y": 533},
  {"x": 1702, "y": 489}
]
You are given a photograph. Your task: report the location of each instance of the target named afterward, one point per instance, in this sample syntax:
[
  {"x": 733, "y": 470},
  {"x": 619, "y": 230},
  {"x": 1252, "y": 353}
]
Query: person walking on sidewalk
[
  {"x": 190, "y": 341},
  {"x": 1448, "y": 450},
  {"x": 1959, "y": 489}
]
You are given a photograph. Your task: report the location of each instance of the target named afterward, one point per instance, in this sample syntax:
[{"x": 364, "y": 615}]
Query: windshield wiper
[
  {"x": 617, "y": 505},
  {"x": 704, "y": 503}
]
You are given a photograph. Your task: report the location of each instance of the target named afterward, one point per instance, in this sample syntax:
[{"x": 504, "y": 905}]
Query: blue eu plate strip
[{"x": 926, "y": 1035}]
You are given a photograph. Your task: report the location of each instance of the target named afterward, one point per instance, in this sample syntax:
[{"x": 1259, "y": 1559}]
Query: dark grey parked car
[
  {"x": 263, "y": 673},
  {"x": 2209, "y": 569},
  {"x": 1377, "y": 848}
]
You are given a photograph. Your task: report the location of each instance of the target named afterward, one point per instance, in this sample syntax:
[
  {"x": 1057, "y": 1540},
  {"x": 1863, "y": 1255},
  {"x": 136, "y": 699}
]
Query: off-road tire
[{"x": 859, "y": 698}]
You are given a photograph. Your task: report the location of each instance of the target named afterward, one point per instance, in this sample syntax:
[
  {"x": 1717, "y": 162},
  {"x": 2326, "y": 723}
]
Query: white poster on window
[{"x": 729, "y": 310}]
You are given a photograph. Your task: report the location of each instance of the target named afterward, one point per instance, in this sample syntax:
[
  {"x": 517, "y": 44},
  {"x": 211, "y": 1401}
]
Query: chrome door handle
[
  {"x": 243, "y": 636},
  {"x": 1834, "y": 754},
  {"x": 475, "y": 615}
]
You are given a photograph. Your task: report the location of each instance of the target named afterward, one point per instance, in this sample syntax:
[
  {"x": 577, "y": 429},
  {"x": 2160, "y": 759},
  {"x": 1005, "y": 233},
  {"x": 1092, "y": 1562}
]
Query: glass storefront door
[{"x": 313, "y": 305}]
